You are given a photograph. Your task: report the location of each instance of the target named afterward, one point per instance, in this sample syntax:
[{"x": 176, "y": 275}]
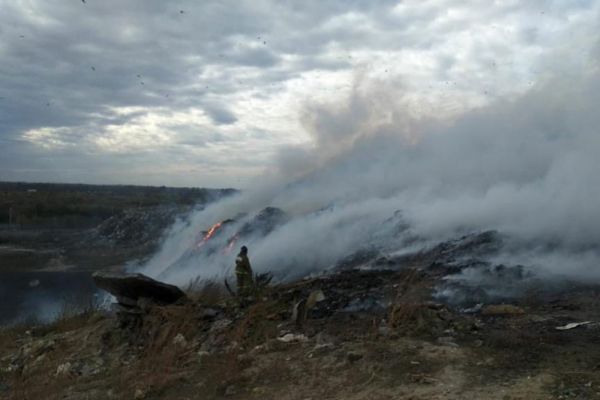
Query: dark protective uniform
[{"x": 244, "y": 275}]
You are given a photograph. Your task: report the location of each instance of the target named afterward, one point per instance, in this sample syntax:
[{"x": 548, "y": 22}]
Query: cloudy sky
[{"x": 209, "y": 93}]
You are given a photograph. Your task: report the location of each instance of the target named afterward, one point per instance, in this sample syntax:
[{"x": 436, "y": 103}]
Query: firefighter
[{"x": 243, "y": 273}]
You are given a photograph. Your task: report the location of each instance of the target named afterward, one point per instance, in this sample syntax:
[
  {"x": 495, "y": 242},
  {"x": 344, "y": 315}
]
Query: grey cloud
[
  {"x": 219, "y": 113},
  {"x": 70, "y": 64}
]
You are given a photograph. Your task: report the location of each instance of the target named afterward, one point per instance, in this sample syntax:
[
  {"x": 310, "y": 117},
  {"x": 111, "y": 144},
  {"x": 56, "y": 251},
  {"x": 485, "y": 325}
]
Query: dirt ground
[{"x": 377, "y": 335}]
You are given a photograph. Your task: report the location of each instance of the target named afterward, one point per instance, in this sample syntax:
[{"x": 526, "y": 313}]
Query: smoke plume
[{"x": 385, "y": 171}]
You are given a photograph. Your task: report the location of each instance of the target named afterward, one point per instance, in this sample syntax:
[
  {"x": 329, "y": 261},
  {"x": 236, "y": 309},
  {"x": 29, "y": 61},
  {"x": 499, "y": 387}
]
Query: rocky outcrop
[
  {"x": 135, "y": 294},
  {"x": 133, "y": 287}
]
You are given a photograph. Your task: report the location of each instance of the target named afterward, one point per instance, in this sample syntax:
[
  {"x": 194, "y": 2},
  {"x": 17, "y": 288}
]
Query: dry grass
[{"x": 206, "y": 291}]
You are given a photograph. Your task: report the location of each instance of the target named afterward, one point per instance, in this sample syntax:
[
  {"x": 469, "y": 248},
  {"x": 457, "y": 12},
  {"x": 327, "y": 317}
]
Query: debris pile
[{"x": 135, "y": 227}]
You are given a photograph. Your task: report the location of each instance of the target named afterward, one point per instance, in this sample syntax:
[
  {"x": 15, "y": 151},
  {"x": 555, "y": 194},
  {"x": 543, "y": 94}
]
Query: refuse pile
[{"x": 135, "y": 227}]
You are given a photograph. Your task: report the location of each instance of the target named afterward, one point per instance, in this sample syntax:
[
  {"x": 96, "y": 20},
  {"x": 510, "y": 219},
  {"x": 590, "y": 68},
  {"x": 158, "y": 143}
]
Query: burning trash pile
[{"x": 468, "y": 269}]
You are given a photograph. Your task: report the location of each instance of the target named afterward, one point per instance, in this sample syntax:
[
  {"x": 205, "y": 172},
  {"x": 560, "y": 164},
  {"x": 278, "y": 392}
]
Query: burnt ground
[{"x": 376, "y": 335}]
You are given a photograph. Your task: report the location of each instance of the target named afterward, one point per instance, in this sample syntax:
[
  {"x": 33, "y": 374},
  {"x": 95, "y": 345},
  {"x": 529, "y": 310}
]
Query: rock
[
  {"x": 230, "y": 390},
  {"x": 90, "y": 367},
  {"x": 38, "y": 347},
  {"x": 314, "y": 297},
  {"x": 126, "y": 301},
  {"x": 301, "y": 308},
  {"x": 180, "y": 340},
  {"x": 322, "y": 348},
  {"x": 139, "y": 394},
  {"x": 290, "y": 337},
  {"x": 136, "y": 286},
  {"x": 502, "y": 309},
  {"x": 209, "y": 313},
  {"x": 63, "y": 369},
  {"x": 220, "y": 325},
  {"x": 202, "y": 354}
]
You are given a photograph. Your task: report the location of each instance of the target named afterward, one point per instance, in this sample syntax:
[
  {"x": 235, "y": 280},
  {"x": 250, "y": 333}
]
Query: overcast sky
[{"x": 208, "y": 93}]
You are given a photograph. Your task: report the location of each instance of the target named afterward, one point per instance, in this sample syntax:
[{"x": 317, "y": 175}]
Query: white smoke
[{"x": 527, "y": 166}]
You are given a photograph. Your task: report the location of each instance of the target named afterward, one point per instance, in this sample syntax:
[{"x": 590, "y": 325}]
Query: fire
[
  {"x": 211, "y": 232},
  {"x": 231, "y": 243}
]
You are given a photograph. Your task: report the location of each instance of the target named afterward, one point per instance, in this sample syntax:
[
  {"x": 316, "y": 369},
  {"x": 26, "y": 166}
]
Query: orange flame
[{"x": 211, "y": 232}]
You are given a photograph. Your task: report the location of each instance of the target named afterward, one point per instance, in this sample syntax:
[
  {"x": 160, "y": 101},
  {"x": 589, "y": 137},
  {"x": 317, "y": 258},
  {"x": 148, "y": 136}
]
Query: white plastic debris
[
  {"x": 290, "y": 337},
  {"x": 572, "y": 325}
]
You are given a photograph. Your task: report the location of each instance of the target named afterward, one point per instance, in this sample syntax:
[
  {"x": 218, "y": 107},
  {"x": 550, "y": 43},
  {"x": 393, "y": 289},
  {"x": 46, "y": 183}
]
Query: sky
[{"x": 215, "y": 93}]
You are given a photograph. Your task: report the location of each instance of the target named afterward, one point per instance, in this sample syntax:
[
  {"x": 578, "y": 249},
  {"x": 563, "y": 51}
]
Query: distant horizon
[{"x": 115, "y": 184}]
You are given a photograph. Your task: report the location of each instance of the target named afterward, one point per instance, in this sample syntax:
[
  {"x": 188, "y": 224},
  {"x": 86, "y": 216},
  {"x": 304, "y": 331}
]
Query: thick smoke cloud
[{"x": 526, "y": 166}]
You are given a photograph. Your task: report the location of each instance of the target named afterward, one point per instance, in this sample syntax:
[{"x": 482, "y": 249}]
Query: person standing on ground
[{"x": 243, "y": 273}]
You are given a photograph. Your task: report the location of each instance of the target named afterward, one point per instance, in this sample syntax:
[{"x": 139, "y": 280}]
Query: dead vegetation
[{"x": 375, "y": 335}]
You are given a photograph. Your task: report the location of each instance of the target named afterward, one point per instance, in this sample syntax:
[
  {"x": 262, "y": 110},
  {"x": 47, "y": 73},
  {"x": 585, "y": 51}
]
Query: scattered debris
[
  {"x": 291, "y": 337},
  {"x": 63, "y": 369},
  {"x": 573, "y": 325},
  {"x": 180, "y": 340},
  {"x": 301, "y": 308}
]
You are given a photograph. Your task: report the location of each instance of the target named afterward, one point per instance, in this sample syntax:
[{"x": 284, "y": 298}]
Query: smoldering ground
[{"x": 383, "y": 170}]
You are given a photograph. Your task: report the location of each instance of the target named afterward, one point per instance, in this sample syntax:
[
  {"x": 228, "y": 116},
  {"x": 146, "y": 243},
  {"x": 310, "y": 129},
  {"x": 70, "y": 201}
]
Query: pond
[{"x": 43, "y": 296}]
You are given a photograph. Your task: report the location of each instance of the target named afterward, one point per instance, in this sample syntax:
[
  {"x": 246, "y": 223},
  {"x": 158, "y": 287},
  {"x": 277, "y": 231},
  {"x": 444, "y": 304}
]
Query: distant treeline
[{"x": 78, "y": 205}]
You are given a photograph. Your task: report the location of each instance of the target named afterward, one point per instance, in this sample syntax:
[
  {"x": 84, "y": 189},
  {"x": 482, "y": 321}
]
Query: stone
[
  {"x": 139, "y": 394},
  {"x": 220, "y": 325},
  {"x": 63, "y": 369},
  {"x": 179, "y": 340},
  {"x": 230, "y": 390},
  {"x": 290, "y": 337},
  {"x": 209, "y": 313},
  {"x": 137, "y": 286}
]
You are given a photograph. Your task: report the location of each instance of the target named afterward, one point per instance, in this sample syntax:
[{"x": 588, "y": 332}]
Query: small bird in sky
[
  {"x": 93, "y": 68},
  {"x": 181, "y": 12},
  {"x": 83, "y": 1}
]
